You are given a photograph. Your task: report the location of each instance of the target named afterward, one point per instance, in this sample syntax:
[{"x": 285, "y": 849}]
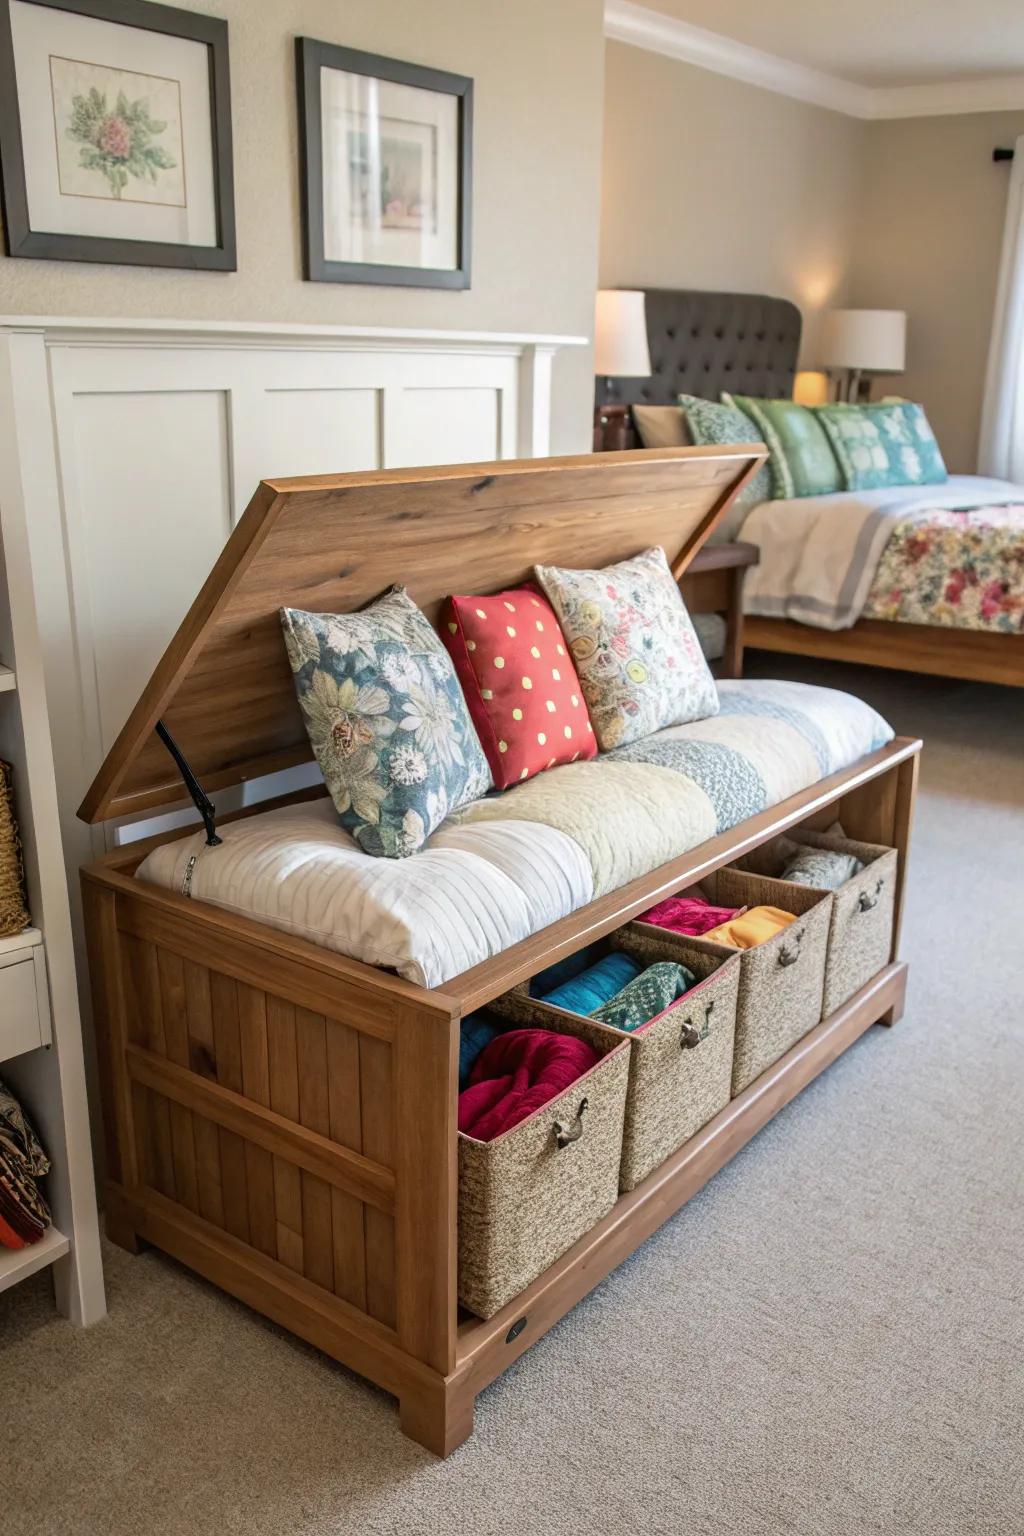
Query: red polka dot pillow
[{"x": 519, "y": 683}]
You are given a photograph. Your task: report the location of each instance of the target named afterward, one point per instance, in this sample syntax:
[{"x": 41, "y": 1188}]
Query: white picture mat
[
  {"x": 350, "y": 104},
  {"x": 39, "y": 32}
]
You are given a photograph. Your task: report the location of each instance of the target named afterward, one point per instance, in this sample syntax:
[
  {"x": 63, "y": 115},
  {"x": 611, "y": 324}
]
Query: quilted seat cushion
[{"x": 507, "y": 865}]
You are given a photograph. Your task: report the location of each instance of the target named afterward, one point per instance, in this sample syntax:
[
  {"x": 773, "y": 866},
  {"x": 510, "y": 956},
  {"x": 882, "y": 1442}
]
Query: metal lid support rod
[{"x": 204, "y": 805}]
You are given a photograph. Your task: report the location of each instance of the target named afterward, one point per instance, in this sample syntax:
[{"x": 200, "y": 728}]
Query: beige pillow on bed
[{"x": 662, "y": 426}]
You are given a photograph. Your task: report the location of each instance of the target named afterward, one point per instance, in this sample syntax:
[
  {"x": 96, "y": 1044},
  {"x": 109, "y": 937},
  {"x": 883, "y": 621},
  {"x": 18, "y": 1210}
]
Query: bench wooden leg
[
  {"x": 893, "y": 1015},
  {"x": 117, "y": 1223},
  {"x": 439, "y": 1418}
]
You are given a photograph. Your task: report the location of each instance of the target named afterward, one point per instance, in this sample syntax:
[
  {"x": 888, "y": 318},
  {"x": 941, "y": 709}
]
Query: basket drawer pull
[
  {"x": 692, "y": 1036},
  {"x": 866, "y": 902},
  {"x": 564, "y": 1134},
  {"x": 791, "y": 956}
]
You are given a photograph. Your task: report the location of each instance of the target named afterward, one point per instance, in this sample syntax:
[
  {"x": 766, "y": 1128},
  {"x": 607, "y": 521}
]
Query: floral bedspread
[{"x": 958, "y": 569}]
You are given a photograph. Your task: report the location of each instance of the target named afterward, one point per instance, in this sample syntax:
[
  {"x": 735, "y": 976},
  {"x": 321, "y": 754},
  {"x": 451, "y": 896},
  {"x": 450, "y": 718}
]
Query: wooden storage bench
[{"x": 282, "y": 1119}]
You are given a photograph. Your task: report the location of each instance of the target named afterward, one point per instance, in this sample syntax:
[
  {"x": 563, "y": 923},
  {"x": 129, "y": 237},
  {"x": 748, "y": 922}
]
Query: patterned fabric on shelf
[
  {"x": 958, "y": 570},
  {"x": 24, "y": 1215},
  {"x": 506, "y": 866}
]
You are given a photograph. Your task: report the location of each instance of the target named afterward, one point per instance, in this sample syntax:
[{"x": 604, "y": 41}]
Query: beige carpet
[{"x": 828, "y": 1341}]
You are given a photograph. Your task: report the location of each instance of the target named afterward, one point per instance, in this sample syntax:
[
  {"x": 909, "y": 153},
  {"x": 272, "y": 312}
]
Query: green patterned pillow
[
  {"x": 714, "y": 424},
  {"x": 803, "y": 463},
  {"x": 882, "y": 445},
  {"x": 386, "y": 719}
]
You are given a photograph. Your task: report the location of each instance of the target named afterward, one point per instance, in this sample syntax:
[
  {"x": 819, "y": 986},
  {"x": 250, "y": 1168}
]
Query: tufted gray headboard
[{"x": 702, "y": 343}]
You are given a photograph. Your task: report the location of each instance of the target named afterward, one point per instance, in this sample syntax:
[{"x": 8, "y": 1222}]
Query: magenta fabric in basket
[
  {"x": 688, "y": 914},
  {"x": 517, "y": 1074}
]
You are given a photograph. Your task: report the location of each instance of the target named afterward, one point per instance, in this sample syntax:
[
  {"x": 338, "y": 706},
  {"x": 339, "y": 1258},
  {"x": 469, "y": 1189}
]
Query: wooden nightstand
[{"x": 713, "y": 583}]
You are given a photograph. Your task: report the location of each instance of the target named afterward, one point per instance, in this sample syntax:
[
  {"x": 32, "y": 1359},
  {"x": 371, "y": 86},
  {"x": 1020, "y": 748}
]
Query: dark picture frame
[
  {"x": 21, "y": 239},
  {"x": 311, "y": 57}
]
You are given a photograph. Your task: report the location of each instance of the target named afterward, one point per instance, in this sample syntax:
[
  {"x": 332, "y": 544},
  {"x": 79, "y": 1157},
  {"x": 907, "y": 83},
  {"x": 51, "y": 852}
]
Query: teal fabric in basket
[
  {"x": 595, "y": 986},
  {"x": 476, "y": 1031},
  {"x": 646, "y": 996}
]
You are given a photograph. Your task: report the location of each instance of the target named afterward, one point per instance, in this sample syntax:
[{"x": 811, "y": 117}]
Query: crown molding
[
  {"x": 627, "y": 22},
  {"x": 997, "y": 93}
]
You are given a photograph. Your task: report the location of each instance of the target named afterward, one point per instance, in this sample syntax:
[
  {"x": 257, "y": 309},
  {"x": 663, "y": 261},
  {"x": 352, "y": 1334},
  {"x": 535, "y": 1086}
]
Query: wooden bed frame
[
  {"x": 973, "y": 655},
  {"x": 282, "y": 1119}
]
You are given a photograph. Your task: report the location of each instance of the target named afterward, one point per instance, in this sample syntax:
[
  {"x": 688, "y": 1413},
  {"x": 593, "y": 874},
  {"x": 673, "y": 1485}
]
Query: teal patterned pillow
[
  {"x": 714, "y": 424},
  {"x": 386, "y": 719},
  {"x": 882, "y": 445}
]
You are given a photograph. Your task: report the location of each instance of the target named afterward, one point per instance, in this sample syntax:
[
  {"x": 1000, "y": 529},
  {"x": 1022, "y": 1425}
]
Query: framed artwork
[
  {"x": 115, "y": 134},
  {"x": 387, "y": 159}
]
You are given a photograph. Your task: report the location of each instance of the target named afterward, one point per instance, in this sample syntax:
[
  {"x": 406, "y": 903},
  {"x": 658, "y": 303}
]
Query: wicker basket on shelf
[{"x": 13, "y": 910}]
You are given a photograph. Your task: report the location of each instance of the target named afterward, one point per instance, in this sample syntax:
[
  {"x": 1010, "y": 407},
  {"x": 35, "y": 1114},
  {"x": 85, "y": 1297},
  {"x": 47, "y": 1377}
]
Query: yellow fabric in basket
[{"x": 753, "y": 927}]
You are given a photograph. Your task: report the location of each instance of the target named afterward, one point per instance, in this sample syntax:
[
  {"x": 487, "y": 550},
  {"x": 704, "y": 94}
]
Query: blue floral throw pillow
[{"x": 386, "y": 719}]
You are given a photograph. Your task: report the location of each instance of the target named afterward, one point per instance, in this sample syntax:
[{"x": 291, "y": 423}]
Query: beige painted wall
[
  {"x": 930, "y": 233},
  {"x": 538, "y": 71},
  {"x": 710, "y": 183}
]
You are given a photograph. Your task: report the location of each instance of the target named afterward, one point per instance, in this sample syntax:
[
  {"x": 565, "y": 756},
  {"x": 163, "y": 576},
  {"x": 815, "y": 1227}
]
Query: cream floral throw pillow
[
  {"x": 386, "y": 720},
  {"x": 638, "y": 657}
]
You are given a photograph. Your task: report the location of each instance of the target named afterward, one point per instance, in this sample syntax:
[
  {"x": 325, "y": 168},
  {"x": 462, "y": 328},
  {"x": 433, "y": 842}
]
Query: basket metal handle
[
  {"x": 692, "y": 1036},
  {"x": 564, "y": 1134},
  {"x": 791, "y": 956},
  {"x": 866, "y": 902}
]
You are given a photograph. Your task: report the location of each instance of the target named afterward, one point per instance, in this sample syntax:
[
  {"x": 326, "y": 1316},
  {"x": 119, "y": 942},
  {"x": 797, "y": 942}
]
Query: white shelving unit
[{"x": 40, "y": 1027}]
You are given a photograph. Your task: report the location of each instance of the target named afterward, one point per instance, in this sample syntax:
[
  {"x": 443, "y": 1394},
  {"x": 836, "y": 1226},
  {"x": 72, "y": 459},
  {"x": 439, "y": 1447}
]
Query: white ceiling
[{"x": 880, "y": 43}]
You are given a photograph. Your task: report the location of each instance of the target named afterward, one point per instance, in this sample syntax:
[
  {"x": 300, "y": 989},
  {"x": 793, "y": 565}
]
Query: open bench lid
[{"x": 330, "y": 544}]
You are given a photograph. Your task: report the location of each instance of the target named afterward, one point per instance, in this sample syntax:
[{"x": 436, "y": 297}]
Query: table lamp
[{"x": 856, "y": 343}]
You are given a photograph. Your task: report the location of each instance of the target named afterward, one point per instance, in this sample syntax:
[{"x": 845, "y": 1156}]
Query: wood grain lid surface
[{"x": 330, "y": 544}]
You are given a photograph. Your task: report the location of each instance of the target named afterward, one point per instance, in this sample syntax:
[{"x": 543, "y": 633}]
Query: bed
[{"x": 927, "y": 580}]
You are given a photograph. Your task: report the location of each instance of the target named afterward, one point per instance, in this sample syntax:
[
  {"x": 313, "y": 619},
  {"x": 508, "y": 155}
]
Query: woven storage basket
[
  {"x": 680, "y": 1064},
  {"x": 527, "y": 1196},
  {"x": 863, "y": 908},
  {"x": 13, "y": 911},
  {"x": 782, "y": 981}
]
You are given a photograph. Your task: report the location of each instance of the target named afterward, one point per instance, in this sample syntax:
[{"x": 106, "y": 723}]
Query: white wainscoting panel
[
  {"x": 145, "y": 524},
  {"x": 450, "y": 426},
  {"x": 150, "y": 437},
  {"x": 323, "y": 429}
]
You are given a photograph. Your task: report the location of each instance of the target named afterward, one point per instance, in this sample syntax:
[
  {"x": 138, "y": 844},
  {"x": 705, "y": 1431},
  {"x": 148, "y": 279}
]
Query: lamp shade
[
  {"x": 810, "y": 388},
  {"x": 620, "y": 334},
  {"x": 874, "y": 340}
]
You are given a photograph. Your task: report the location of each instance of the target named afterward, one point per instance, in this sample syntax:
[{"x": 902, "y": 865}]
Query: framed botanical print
[
  {"x": 387, "y": 157},
  {"x": 115, "y": 133}
]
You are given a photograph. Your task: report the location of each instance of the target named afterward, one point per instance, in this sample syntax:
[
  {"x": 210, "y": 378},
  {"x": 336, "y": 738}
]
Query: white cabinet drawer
[{"x": 24, "y": 1010}]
